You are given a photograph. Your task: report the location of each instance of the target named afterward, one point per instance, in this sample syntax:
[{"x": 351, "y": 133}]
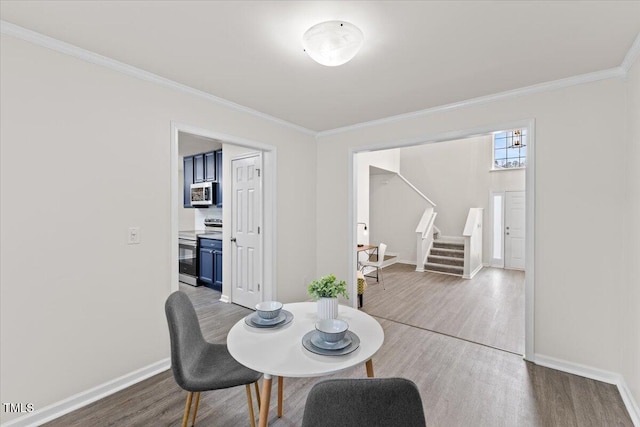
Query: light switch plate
[{"x": 133, "y": 236}]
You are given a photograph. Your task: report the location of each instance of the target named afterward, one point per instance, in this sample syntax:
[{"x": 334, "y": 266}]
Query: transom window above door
[{"x": 510, "y": 149}]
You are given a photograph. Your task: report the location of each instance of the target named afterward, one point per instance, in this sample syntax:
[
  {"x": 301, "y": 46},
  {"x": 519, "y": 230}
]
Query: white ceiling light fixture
[{"x": 332, "y": 43}]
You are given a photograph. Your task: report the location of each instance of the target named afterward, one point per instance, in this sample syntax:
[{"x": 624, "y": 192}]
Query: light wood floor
[
  {"x": 488, "y": 309},
  {"x": 461, "y": 383}
]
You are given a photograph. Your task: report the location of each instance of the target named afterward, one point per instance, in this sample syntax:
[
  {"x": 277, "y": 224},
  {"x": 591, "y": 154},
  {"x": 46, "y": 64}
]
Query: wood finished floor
[
  {"x": 461, "y": 383},
  {"x": 488, "y": 309}
]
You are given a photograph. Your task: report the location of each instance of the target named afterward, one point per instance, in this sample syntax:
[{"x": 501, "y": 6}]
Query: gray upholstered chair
[
  {"x": 368, "y": 402},
  {"x": 199, "y": 365}
]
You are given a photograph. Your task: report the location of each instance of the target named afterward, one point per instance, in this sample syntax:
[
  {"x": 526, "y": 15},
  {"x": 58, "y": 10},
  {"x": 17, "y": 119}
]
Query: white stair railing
[
  {"x": 420, "y": 193},
  {"x": 424, "y": 237},
  {"x": 425, "y": 228},
  {"x": 472, "y": 243}
]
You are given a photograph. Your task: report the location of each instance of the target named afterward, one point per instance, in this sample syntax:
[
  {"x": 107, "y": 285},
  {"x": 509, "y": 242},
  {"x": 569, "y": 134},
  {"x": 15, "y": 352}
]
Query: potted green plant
[{"x": 326, "y": 291}]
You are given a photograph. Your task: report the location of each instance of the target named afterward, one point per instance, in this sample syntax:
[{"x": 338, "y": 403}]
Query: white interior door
[
  {"x": 246, "y": 238},
  {"x": 514, "y": 230}
]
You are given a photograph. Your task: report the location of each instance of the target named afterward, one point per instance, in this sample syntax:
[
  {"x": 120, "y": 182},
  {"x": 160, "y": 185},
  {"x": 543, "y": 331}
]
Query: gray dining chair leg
[
  {"x": 187, "y": 409},
  {"x": 252, "y": 416},
  {"x": 382, "y": 279}
]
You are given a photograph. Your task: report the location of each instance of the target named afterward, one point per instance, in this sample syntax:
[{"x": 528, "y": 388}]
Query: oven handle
[{"x": 187, "y": 242}]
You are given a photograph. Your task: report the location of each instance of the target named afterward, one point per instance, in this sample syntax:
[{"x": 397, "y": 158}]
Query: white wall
[
  {"x": 385, "y": 159},
  {"x": 580, "y": 134},
  {"x": 396, "y": 210},
  {"x": 456, "y": 176},
  {"x": 631, "y": 291},
  {"x": 79, "y": 306}
]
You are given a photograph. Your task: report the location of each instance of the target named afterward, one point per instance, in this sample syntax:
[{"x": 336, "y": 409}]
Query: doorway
[
  {"x": 527, "y": 245},
  {"x": 507, "y": 221},
  {"x": 514, "y": 230},
  {"x": 233, "y": 146}
]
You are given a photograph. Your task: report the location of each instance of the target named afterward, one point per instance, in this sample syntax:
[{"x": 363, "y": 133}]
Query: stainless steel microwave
[{"x": 202, "y": 194}]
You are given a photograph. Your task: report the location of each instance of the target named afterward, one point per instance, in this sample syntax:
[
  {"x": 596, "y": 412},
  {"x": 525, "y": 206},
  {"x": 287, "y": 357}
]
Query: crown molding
[
  {"x": 611, "y": 73},
  {"x": 94, "y": 58},
  {"x": 30, "y": 36},
  {"x": 632, "y": 55}
]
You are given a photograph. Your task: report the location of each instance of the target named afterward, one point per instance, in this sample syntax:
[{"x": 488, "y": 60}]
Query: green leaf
[{"x": 328, "y": 287}]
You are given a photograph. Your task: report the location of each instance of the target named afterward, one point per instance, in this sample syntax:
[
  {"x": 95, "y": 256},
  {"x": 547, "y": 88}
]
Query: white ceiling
[{"x": 417, "y": 54}]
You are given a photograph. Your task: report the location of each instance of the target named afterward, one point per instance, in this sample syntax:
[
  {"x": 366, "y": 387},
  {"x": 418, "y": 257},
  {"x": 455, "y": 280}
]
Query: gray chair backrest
[
  {"x": 364, "y": 402},
  {"x": 187, "y": 341}
]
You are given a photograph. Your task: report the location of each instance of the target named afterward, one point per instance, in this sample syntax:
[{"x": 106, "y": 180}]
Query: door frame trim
[
  {"x": 269, "y": 206},
  {"x": 529, "y": 309}
]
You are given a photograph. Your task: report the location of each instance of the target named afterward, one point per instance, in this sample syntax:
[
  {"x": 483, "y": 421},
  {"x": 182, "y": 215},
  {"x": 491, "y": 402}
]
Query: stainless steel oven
[{"x": 188, "y": 261}]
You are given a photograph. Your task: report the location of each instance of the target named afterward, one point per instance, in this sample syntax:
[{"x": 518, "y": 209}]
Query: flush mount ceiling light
[{"x": 332, "y": 43}]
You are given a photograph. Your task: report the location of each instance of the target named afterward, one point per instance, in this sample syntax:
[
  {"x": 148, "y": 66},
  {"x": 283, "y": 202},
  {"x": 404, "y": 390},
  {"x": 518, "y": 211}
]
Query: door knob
[
  {"x": 507, "y": 233},
  {"x": 233, "y": 239}
]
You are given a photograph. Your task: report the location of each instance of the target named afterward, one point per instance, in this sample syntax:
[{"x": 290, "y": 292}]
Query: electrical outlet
[{"x": 133, "y": 236}]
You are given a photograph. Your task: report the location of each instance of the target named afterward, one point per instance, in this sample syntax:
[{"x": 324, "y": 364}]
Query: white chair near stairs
[{"x": 377, "y": 264}]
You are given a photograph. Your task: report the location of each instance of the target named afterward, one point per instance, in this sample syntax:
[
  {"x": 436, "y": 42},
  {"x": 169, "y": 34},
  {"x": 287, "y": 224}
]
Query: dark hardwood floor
[{"x": 461, "y": 383}]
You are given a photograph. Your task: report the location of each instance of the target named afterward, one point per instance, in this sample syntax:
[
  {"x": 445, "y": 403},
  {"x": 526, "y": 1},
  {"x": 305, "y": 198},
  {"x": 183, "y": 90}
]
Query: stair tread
[
  {"x": 460, "y": 248},
  {"x": 448, "y": 244},
  {"x": 435, "y": 264},
  {"x": 446, "y": 257},
  {"x": 440, "y": 268},
  {"x": 454, "y": 253},
  {"x": 446, "y": 260}
]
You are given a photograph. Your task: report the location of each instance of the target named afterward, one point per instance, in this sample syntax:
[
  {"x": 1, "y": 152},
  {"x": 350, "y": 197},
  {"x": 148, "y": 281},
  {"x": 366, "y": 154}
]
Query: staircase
[{"x": 446, "y": 257}]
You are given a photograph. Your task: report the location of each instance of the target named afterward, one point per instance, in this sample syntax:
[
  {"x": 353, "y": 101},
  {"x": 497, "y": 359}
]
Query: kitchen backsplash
[{"x": 201, "y": 214}]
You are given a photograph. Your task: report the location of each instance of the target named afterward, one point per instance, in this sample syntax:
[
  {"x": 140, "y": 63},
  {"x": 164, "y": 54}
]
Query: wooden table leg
[
  {"x": 265, "y": 397},
  {"x": 369, "y": 365},
  {"x": 280, "y": 390}
]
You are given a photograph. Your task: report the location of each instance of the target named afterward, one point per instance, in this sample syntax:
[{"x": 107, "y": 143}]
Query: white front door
[
  {"x": 246, "y": 245},
  {"x": 514, "y": 230}
]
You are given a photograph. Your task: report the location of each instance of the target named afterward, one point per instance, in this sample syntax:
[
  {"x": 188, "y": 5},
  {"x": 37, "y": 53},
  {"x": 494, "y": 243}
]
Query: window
[
  {"x": 510, "y": 149},
  {"x": 497, "y": 209}
]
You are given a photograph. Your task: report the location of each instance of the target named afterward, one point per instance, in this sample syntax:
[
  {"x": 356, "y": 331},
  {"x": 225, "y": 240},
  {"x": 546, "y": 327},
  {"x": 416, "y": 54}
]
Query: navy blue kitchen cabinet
[
  {"x": 203, "y": 167},
  {"x": 188, "y": 180},
  {"x": 198, "y": 168},
  {"x": 219, "y": 178},
  {"x": 217, "y": 268},
  {"x": 210, "y": 167},
  {"x": 210, "y": 263}
]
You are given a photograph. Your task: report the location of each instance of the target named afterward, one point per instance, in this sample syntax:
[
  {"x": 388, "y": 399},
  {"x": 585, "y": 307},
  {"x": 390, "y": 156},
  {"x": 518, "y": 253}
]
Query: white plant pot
[{"x": 327, "y": 308}]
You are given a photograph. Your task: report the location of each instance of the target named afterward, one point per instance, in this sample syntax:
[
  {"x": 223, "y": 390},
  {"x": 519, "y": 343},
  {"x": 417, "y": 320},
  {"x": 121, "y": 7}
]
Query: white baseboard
[
  {"x": 598, "y": 375},
  {"x": 58, "y": 409},
  {"x": 225, "y": 298},
  {"x": 629, "y": 401},
  {"x": 473, "y": 273}
]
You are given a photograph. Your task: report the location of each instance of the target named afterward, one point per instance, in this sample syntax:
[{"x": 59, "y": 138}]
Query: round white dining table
[{"x": 279, "y": 351}]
